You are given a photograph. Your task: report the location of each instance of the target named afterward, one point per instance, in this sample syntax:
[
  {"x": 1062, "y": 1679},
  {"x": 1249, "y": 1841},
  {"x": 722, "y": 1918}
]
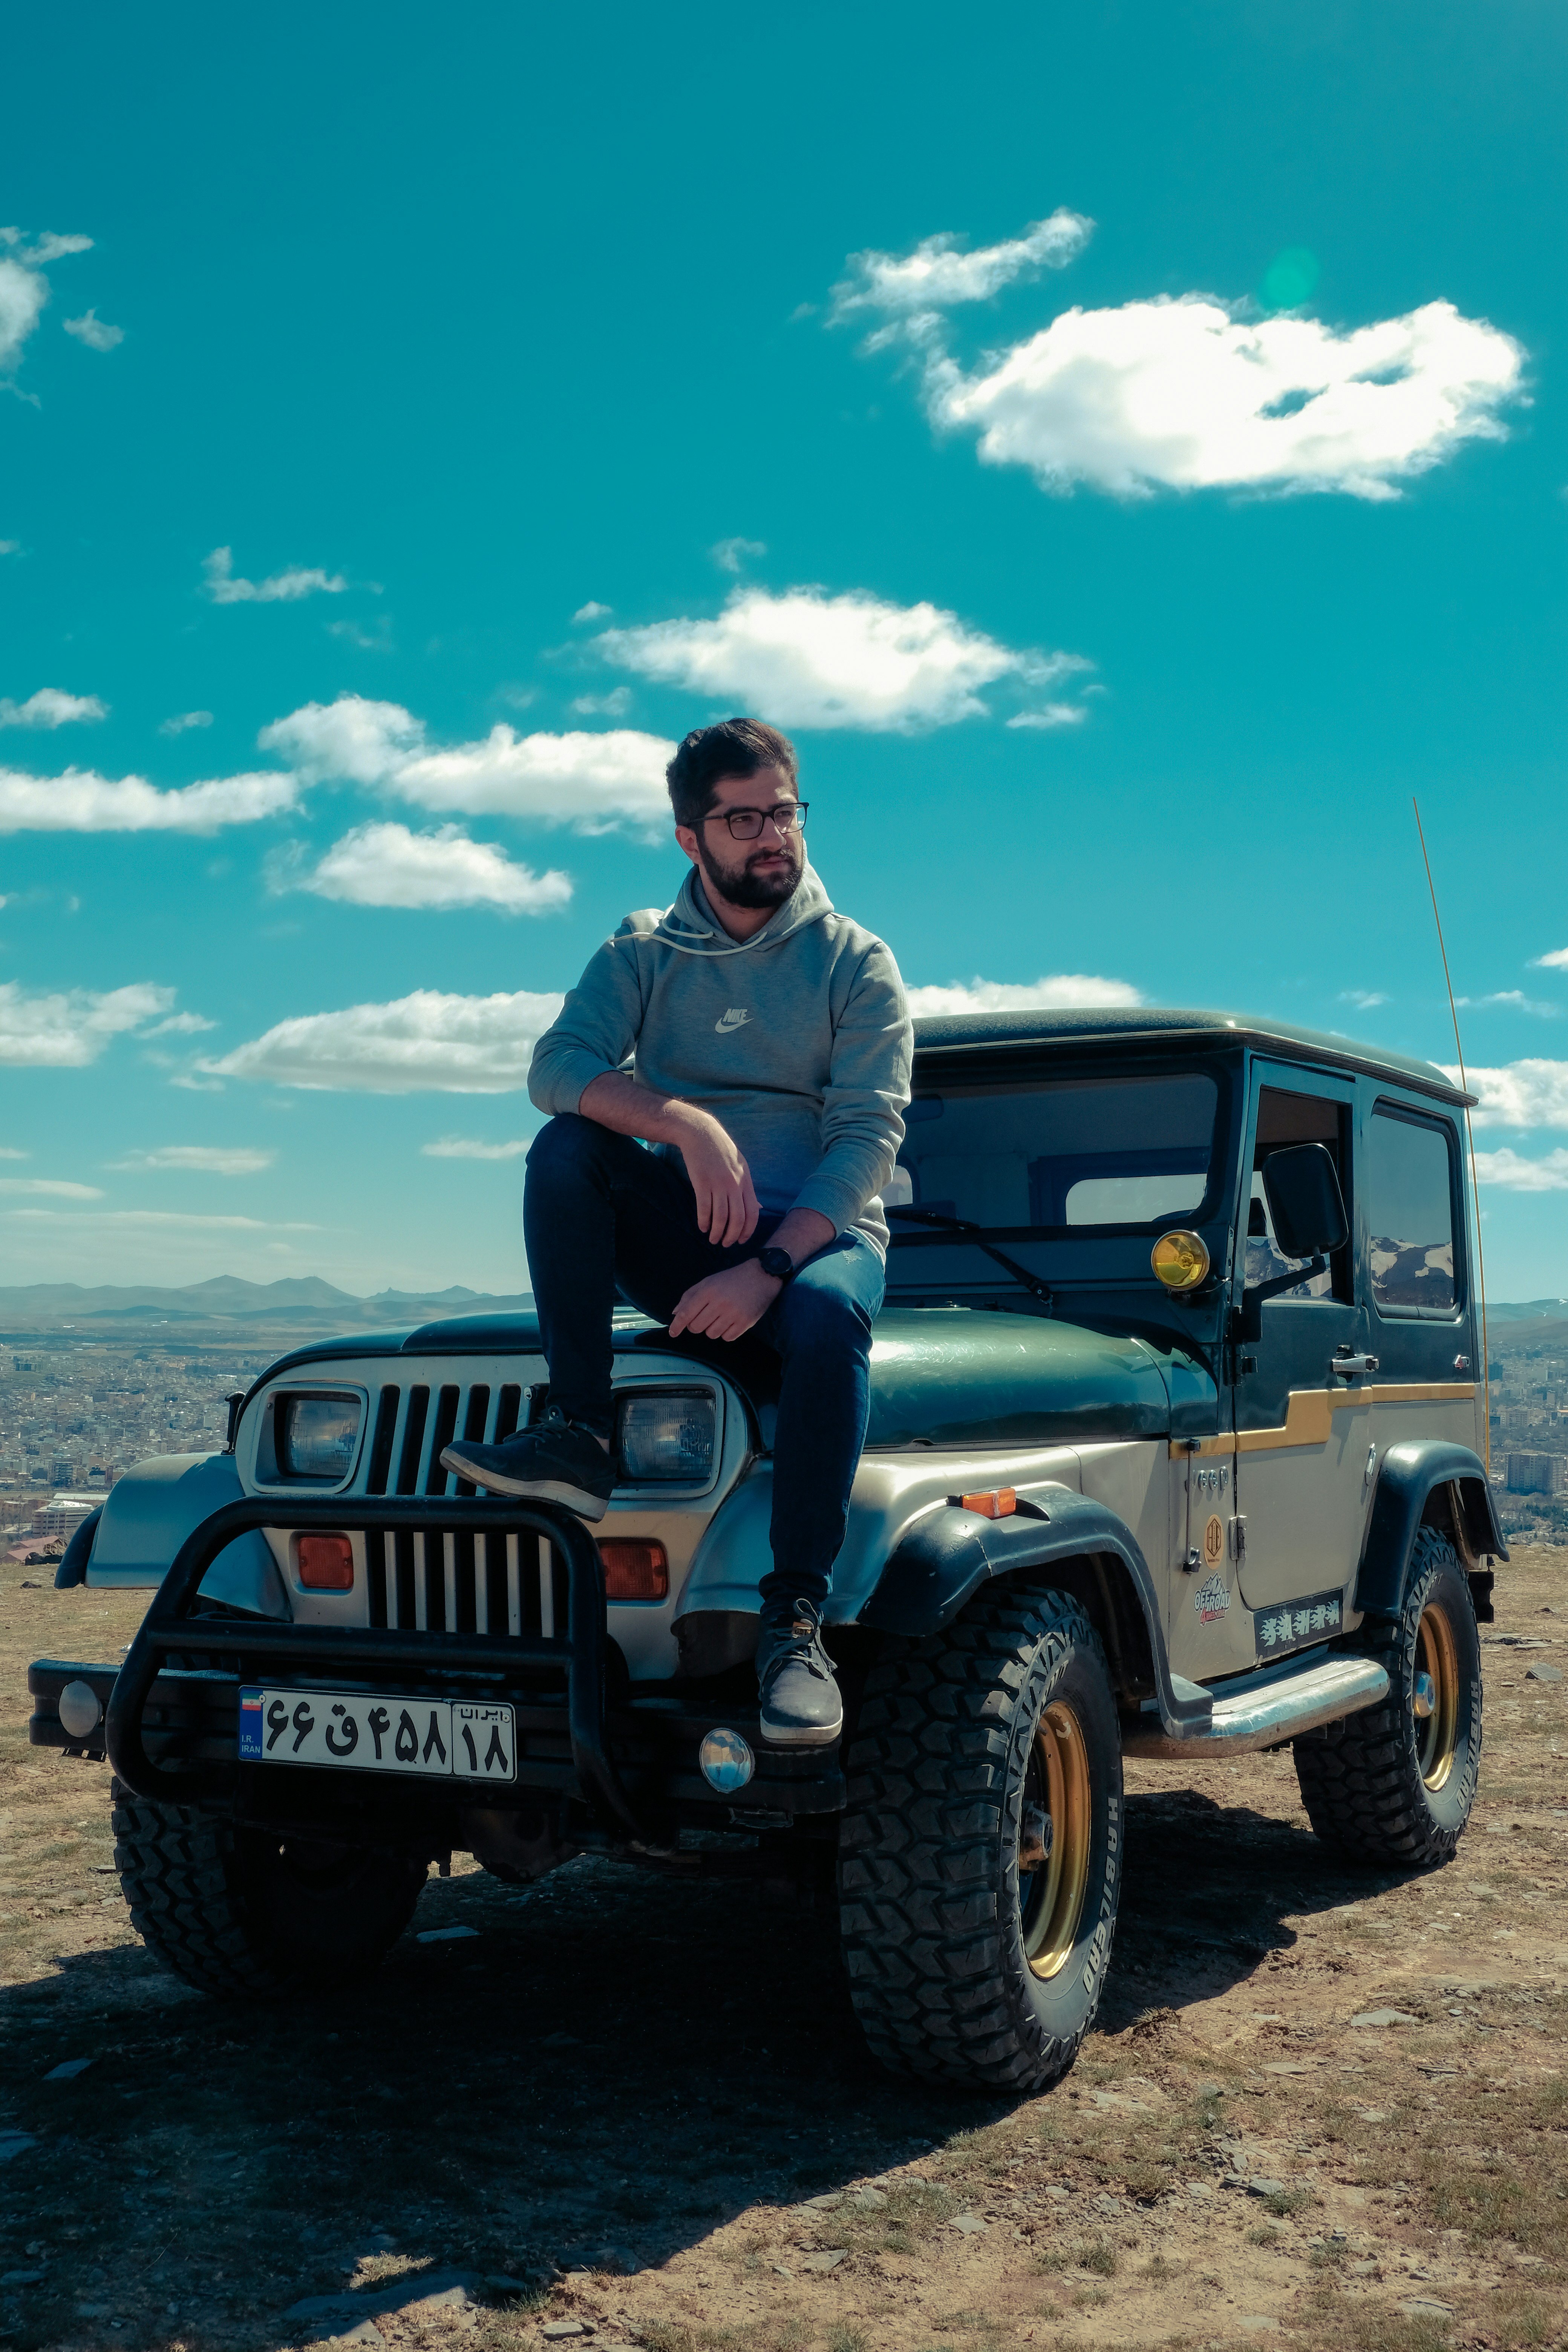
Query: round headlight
[
  {"x": 1181, "y": 1261},
  {"x": 727, "y": 1762}
]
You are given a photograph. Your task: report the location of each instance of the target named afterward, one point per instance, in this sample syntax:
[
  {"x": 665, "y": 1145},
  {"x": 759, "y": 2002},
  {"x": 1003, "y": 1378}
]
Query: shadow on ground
[{"x": 605, "y": 2067}]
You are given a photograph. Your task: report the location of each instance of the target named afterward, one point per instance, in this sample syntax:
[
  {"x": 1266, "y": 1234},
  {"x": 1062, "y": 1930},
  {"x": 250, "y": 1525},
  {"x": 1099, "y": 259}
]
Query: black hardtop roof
[{"x": 1158, "y": 1028}]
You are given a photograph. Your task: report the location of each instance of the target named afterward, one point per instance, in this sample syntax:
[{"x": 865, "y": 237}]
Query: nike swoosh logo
[{"x": 735, "y": 1019}]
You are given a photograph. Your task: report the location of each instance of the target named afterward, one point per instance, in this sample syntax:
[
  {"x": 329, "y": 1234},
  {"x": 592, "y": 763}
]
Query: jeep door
[
  {"x": 1302, "y": 1430},
  {"x": 1422, "y": 1318}
]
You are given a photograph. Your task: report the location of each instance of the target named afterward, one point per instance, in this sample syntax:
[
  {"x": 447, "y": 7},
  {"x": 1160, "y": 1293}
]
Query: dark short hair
[{"x": 735, "y": 746}]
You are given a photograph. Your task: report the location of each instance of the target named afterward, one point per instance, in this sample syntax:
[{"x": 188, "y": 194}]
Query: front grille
[{"x": 440, "y": 1580}]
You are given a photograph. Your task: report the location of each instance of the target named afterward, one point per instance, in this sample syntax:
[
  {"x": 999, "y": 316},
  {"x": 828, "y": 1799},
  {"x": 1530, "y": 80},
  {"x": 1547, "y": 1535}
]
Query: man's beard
[{"x": 740, "y": 887}]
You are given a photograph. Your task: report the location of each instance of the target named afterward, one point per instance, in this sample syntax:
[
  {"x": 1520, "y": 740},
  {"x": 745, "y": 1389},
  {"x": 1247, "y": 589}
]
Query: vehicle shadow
[{"x": 593, "y": 2070}]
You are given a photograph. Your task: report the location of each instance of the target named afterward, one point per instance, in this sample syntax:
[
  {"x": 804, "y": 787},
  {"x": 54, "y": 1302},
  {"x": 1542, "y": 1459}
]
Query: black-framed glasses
[{"x": 746, "y": 825}]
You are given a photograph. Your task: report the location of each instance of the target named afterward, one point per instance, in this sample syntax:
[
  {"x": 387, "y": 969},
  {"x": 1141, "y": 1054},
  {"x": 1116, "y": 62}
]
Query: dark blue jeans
[{"x": 600, "y": 1211}]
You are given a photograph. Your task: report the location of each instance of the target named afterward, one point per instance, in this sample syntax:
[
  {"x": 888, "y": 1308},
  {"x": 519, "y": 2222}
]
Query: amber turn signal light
[
  {"x": 1181, "y": 1261},
  {"x": 999, "y": 1504},
  {"x": 326, "y": 1563},
  {"x": 633, "y": 1571}
]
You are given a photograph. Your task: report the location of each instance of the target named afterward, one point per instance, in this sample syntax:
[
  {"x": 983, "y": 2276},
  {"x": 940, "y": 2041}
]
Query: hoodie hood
[{"x": 691, "y": 926}]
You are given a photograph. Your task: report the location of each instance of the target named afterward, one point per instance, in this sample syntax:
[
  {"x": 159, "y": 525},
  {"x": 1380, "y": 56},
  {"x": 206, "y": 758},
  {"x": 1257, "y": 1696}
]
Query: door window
[
  {"x": 1410, "y": 1213},
  {"x": 1282, "y": 1119}
]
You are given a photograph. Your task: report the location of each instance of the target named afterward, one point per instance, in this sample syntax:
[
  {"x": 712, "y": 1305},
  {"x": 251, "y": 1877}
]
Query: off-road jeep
[{"x": 1171, "y": 1454}]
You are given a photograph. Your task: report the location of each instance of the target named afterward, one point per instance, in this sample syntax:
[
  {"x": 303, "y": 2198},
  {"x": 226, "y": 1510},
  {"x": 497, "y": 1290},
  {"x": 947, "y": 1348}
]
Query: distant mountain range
[{"x": 298, "y": 1301}]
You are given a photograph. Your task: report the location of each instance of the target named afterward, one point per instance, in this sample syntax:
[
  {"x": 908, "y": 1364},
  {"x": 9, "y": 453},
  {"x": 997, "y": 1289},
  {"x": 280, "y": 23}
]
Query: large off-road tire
[
  {"x": 245, "y": 1911},
  {"x": 1396, "y": 1783},
  {"x": 963, "y": 1968}
]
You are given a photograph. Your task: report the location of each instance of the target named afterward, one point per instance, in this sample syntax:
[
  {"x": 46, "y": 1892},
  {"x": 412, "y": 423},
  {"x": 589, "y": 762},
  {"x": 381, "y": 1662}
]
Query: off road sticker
[
  {"x": 1316, "y": 1619},
  {"x": 1213, "y": 1599},
  {"x": 1213, "y": 1542}
]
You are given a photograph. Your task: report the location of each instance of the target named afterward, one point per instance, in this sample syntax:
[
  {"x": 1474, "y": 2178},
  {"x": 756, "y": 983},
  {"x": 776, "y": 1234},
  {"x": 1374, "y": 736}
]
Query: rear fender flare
[
  {"x": 1427, "y": 1481},
  {"x": 1076, "y": 1543}
]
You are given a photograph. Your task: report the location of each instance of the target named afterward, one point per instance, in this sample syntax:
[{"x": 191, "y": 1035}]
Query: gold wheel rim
[
  {"x": 1437, "y": 1731},
  {"x": 1050, "y": 1899}
]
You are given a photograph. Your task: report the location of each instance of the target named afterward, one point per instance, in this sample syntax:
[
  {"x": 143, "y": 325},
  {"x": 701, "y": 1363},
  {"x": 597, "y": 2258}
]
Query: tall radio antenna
[{"x": 1471, "y": 1140}]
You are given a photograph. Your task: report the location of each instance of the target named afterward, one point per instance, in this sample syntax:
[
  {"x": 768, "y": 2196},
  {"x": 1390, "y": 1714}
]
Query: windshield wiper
[{"x": 976, "y": 1234}]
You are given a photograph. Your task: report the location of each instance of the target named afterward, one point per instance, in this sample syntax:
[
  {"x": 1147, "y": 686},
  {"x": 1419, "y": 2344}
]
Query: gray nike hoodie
[{"x": 797, "y": 1040}]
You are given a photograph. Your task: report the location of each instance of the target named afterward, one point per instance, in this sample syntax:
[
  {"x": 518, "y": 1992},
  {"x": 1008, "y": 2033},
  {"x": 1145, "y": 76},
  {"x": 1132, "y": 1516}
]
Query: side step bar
[{"x": 1269, "y": 1712}]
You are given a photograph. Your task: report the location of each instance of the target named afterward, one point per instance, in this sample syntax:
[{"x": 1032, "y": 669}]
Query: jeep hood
[{"x": 954, "y": 1376}]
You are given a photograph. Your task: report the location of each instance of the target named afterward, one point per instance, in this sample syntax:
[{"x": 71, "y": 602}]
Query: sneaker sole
[
  {"x": 800, "y": 1734},
  {"x": 535, "y": 1490}
]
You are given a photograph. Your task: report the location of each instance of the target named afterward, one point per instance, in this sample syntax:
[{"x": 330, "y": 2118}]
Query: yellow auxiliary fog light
[{"x": 1181, "y": 1261}]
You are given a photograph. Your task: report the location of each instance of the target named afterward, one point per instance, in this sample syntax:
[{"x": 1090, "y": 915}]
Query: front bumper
[{"x": 169, "y": 1719}]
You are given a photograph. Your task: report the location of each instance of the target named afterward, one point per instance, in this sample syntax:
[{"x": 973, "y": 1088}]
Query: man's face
[{"x": 760, "y": 873}]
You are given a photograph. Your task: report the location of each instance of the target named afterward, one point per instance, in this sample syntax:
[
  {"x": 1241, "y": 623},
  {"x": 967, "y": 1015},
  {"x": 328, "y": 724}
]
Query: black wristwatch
[{"x": 778, "y": 1263}]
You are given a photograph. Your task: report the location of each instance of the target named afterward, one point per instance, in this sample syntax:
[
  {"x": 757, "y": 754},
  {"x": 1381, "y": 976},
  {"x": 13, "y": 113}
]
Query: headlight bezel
[
  {"x": 274, "y": 1442},
  {"x": 633, "y": 1474}
]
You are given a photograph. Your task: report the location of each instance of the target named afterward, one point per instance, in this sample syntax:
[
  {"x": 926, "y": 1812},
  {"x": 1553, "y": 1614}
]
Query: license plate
[{"x": 349, "y": 1730}]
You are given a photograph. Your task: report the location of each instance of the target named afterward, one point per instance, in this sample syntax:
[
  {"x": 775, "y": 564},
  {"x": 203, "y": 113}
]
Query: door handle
[{"x": 1351, "y": 1367}]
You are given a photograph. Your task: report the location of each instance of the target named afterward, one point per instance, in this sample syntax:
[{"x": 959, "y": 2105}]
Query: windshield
[{"x": 1065, "y": 1151}]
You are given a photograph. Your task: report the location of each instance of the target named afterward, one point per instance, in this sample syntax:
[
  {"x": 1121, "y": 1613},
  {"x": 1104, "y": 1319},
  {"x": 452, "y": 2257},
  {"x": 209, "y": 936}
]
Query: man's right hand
[{"x": 727, "y": 1210}]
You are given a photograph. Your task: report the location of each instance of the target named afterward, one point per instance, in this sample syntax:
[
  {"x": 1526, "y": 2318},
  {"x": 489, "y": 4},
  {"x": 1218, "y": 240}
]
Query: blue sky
[{"x": 1123, "y": 560}]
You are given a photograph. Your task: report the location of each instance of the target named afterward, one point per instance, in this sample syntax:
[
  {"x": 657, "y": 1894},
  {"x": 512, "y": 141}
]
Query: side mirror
[{"x": 1305, "y": 1201}]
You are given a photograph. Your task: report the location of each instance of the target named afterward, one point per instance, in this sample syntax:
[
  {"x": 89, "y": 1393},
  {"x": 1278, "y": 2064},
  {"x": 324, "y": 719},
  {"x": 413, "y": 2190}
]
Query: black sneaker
[
  {"x": 800, "y": 1701},
  {"x": 553, "y": 1462}
]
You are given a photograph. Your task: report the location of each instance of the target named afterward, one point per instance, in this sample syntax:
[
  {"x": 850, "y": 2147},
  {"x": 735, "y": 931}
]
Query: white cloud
[
  {"x": 183, "y": 720},
  {"x": 7, "y": 1151},
  {"x": 283, "y": 587},
  {"x": 24, "y": 288},
  {"x": 78, "y": 801},
  {"x": 1365, "y": 999},
  {"x": 71, "y": 1028},
  {"x": 1055, "y": 992},
  {"x": 614, "y": 705},
  {"x": 1181, "y": 394},
  {"x": 593, "y": 612},
  {"x": 39, "y": 1184},
  {"x": 1051, "y": 714},
  {"x": 389, "y": 865},
  {"x": 10, "y": 547},
  {"x": 359, "y": 741},
  {"x": 95, "y": 332},
  {"x": 464, "y": 1147},
  {"x": 199, "y": 1159},
  {"x": 807, "y": 660},
  {"x": 1516, "y": 998},
  {"x": 730, "y": 554},
  {"x": 180, "y": 1024},
  {"x": 1519, "y": 1093},
  {"x": 425, "y": 1043},
  {"x": 50, "y": 708},
  {"x": 1516, "y": 1174},
  {"x": 936, "y": 276},
  {"x": 592, "y": 782},
  {"x": 1556, "y": 961},
  {"x": 91, "y": 1219}
]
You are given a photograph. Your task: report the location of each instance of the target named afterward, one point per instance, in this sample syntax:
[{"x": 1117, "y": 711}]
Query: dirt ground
[{"x": 1322, "y": 2105}]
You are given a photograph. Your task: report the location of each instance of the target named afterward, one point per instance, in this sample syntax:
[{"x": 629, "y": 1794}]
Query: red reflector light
[
  {"x": 1000, "y": 1504},
  {"x": 326, "y": 1563},
  {"x": 635, "y": 1572}
]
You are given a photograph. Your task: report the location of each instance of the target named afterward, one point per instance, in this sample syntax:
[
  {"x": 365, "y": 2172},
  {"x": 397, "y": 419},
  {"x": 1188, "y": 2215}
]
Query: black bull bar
[{"x": 168, "y": 1628}]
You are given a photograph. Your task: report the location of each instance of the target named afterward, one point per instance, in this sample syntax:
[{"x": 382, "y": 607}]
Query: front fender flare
[
  {"x": 1406, "y": 1477},
  {"x": 950, "y": 1553}
]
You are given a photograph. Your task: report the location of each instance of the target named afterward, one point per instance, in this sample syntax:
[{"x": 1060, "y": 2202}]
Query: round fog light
[
  {"x": 77, "y": 1709},
  {"x": 727, "y": 1762}
]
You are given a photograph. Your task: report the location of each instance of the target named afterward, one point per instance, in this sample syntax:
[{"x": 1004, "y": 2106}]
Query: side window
[
  {"x": 1285, "y": 1119},
  {"x": 1410, "y": 1211}
]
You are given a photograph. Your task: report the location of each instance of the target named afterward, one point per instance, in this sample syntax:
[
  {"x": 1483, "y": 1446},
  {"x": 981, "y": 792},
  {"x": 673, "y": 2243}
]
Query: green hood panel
[{"x": 951, "y": 1376}]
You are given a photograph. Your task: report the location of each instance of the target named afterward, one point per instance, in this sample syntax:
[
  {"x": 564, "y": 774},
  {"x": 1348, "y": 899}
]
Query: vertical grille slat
[
  {"x": 509, "y": 1406},
  {"x": 413, "y": 1441},
  {"x": 474, "y": 1414},
  {"x": 380, "y": 1441},
  {"x": 441, "y": 1435}
]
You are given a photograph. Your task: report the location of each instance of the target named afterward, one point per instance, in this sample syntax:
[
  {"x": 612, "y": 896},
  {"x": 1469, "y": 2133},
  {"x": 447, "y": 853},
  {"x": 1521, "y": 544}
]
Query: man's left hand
[{"x": 724, "y": 1306}]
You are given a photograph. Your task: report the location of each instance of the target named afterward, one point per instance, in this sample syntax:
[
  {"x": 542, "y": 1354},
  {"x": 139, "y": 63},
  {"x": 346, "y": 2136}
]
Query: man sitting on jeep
[{"x": 770, "y": 1043}]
